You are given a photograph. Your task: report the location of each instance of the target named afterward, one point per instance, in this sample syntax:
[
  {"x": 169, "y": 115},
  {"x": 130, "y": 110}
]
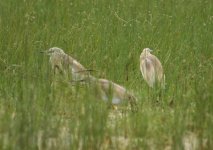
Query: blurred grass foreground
[{"x": 38, "y": 112}]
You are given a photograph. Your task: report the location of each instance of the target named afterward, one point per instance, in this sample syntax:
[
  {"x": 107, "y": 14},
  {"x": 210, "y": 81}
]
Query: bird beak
[
  {"x": 45, "y": 52},
  {"x": 42, "y": 52},
  {"x": 150, "y": 50}
]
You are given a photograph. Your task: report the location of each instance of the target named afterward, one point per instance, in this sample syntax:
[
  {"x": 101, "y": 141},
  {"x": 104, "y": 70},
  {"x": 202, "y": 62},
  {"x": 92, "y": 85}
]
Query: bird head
[
  {"x": 145, "y": 52},
  {"x": 53, "y": 50}
]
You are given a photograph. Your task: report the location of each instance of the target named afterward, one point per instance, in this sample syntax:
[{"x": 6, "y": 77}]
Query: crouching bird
[
  {"x": 114, "y": 93},
  {"x": 151, "y": 68},
  {"x": 65, "y": 64}
]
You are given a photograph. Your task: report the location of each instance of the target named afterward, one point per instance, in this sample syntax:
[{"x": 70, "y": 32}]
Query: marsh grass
[{"x": 38, "y": 111}]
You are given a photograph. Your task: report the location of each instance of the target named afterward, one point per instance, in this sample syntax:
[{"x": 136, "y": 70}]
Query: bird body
[
  {"x": 110, "y": 91},
  {"x": 151, "y": 68}
]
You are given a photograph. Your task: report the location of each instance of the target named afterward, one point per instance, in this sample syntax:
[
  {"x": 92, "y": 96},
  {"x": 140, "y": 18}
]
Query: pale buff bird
[
  {"x": 151, "y": 68},
  {"x": 114, "y": 93},
  {"x": 105, "y": 89},
  {"x": 63, "y": 63}
]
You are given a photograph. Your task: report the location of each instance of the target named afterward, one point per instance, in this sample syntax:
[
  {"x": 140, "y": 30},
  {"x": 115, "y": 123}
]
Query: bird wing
[
  {"x": 76, "y": 66},
  {"x": 112, "y": 91},
  {"x": 158, "y": 67},
  {"x": 148, "y": 71}
]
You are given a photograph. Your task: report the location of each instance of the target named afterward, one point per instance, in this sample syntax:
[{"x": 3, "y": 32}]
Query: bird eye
[{"x": 51, "y": 51}]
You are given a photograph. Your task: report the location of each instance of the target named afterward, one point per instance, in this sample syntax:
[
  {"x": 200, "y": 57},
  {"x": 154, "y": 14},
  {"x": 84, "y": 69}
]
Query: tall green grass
[{"x": 37, "y": 112}]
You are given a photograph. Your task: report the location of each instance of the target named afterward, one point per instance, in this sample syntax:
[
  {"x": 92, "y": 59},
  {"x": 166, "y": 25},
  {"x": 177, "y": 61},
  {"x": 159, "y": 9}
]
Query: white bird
[
  {"x": 114, "y": 93},
  {"x": 151, "y": 68},
  {"x": 63, "y": 63}
]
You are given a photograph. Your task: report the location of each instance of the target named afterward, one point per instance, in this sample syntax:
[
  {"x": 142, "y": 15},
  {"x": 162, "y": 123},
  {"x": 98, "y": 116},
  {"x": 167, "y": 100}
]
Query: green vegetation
[{"x": 37, "y": 112}]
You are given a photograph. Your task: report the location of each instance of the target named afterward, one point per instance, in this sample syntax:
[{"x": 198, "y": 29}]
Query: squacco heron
[{"x": 151, "y": 68}]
